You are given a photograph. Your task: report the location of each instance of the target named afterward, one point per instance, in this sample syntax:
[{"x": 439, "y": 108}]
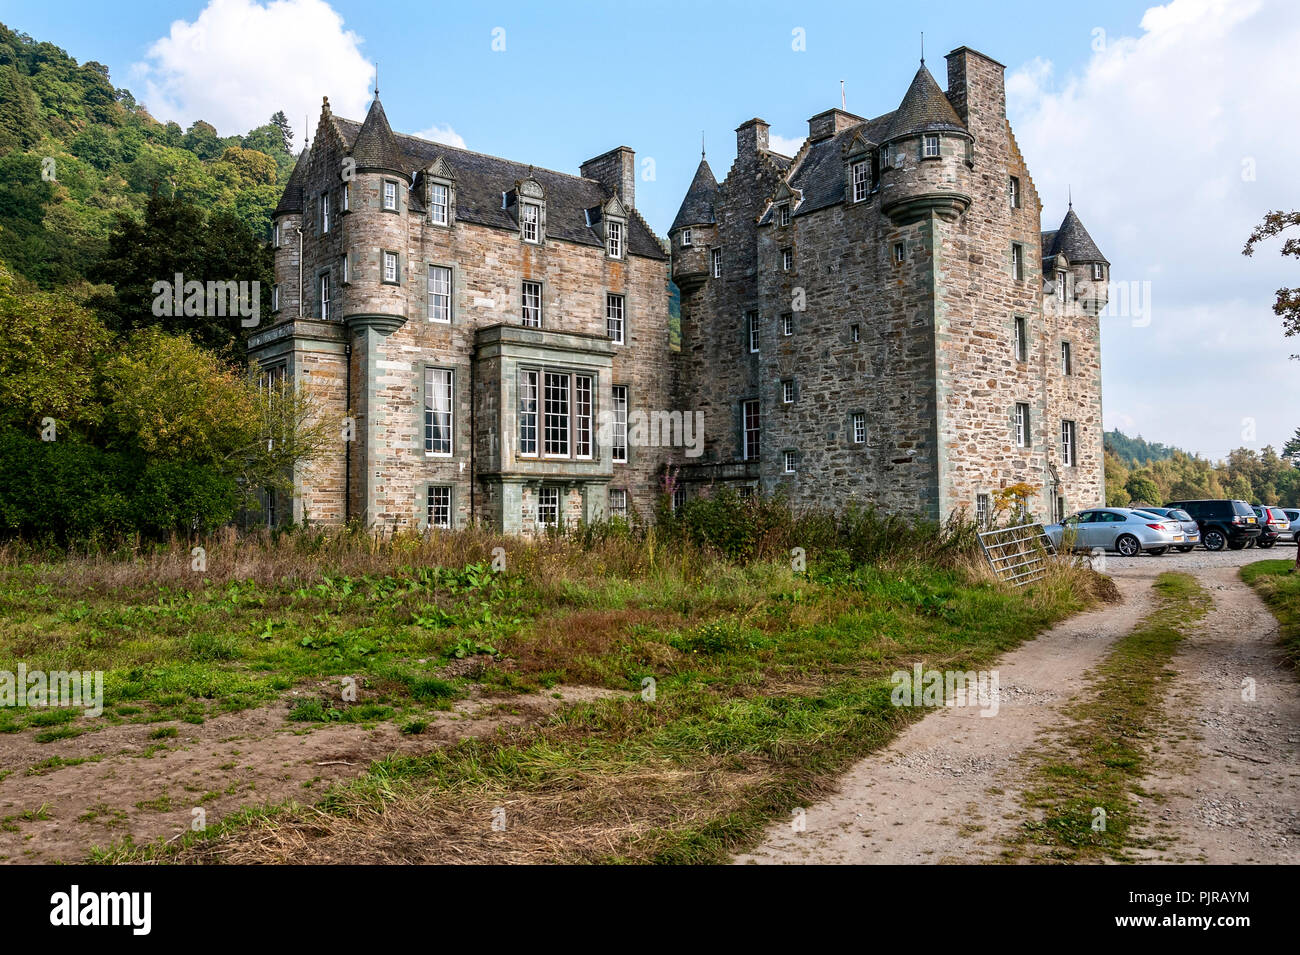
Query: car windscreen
[
  {"x": 1148, "y": 515},
  {"x": 1242, "y": 508},
  {"x": 1179, "y": 515}
]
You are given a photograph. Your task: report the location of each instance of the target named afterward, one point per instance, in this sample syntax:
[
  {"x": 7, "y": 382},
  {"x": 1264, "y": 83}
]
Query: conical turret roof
[
  {"x": 291, "y": 200},
  {"x": 697, "y": 207},
  {"x": 924, "y": 109},
  {"x": 1072, "y": 241},
  {"x": 376, "y": 146}
]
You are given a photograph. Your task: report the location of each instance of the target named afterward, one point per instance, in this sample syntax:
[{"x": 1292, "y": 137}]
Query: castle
[{"x": 877, "y": 318}]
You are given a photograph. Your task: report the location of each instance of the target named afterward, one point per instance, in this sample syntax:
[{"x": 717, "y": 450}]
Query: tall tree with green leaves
[{"x": 1287, "y": 303}]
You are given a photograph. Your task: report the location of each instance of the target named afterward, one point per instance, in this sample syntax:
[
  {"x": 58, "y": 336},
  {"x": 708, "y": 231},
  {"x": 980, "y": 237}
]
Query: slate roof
[
  {"x": 291, "y": 199},
  {"x": 697, "y": 207},
  {"x": 375, "y": 146},
  {"x": 1072, "y": 241},
  {"x": 820, "y": 176},
  {"x": 481, "y": 179},
  {"x": 925, "y": 108}
]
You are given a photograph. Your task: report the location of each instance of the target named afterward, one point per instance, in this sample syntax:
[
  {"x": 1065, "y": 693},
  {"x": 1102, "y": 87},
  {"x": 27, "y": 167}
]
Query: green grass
[
  {"x": 768, "y": 685},
  {"x": 1274, "y": 581},
  {"x": 1098, "y": 762}
]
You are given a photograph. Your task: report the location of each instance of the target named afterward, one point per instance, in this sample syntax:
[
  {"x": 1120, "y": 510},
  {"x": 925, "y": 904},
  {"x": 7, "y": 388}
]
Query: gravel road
[{"x": 1225, "y": 785}]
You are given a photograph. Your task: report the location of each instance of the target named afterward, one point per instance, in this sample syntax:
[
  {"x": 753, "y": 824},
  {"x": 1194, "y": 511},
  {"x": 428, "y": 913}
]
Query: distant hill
[{"x": 1136, "y": 452}]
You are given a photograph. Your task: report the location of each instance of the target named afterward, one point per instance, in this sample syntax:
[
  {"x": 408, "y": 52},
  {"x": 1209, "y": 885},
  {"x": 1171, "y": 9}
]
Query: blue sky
[{"x": 1163, "y": 120}]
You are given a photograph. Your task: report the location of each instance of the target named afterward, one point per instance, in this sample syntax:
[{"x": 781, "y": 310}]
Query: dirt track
[{"x": 1227, "y": 779}]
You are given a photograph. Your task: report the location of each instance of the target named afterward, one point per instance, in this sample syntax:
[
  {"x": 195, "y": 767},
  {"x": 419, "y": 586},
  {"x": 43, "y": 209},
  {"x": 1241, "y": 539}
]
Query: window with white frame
[
  {"x": 1068, "y": 449},
  {"x": 325, "y": 212},
  {"x": 787, "y": 391},
  {"x": 390, "y": 268},
  {"x": 1060, "y": 286},
  {"x": 1097, "y": 271},
  {"x": 783, "y": 214},
  {"x": 439, "y": 505},
  {"x": 787, "y": 260},
  {"x": 1022, "y": 425},
  {"x": 275, "y": 298},
  {"x": 527, "y": 412},
  {"x": 345, "y": 197},
  {"x": 531, "y": 304},
  {"x": 787, "y": 461},
  {"x": 555, "y": 415},
  {"x": 1067, "y": 359},
  {"x": 614, "y": 238},
  {"x": 618, "y": 502},
  {"x": 325, "y": 296},
  {"x": 390, "y": 195},
  {"x": 345, "y": 266},
  {"x": 532, "y": 219},
  {"x": 931, "y": 147},
  {"x": 855, "y": 332},
  {"x": 548, "y": 506},
  {"x": 861, "y": 180},
  {"x": 1013, "y": 191},
  {"x": 614, "y": 318},
  {"x": 275, "y": 236},
  {"x": 1020, "y": 339},
  {"x": 582, "y": 416},
  {"x": 787, "y": 323},
  {"x": 438, "y": 195},
  {"x": 686, "y": 238},
  {"x": 749, "y": 448},
  {"x": 439, "y": 294},
  {"x": 1018, "y": 262},
  {"x": 438, "y": 410},
  {"x": 859, "y": 427},
  {"x": 899, "y": 253},
  {"x": 716, "y": 255},
  {"x": 751, "y": 325},
  {"x": 983, "y": 509},
  {"x": 618, "y": 440}
]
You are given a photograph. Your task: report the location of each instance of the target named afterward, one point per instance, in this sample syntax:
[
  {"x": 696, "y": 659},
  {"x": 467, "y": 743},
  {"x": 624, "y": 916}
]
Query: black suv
[{"x": 1223, "y": 523}]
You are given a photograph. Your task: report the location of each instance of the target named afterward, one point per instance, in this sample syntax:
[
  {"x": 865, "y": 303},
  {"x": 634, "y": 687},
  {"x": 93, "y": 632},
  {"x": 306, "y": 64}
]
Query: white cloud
[
  {"x": 785, "y": 145},
  {"x": 1154, "y": 136},
  {"x": 240, "y": 61},
  {"x": 442, "y": 134}
]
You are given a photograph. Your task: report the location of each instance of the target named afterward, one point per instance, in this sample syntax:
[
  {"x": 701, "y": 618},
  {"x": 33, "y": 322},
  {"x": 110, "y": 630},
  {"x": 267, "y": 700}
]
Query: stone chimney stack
[
  {"x": 977, "y": 89},
  {"x": 616, "y": 171},
  {"x": 751, "y": 138}
]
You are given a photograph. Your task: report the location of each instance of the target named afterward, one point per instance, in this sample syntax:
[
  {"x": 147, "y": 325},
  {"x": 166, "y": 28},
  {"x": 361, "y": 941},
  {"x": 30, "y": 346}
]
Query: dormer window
[
  {"x": 532, "y": 219},
  {"x": 1060, "y": 286},
  {"x": 931, "y": 148},
  {"x": 390, "y": 195},
  {"x": 783, "y": 214},
  {"x": 861, "y": 180},
  {"x": 686, "y": 238},
  {"x": 614, "y": 239},
  {"x": 438, "y": 198}
]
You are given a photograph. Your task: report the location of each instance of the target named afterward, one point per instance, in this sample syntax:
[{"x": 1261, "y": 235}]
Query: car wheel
[
  {"x": 1236, "y": 545},
  {"x": 1128, "y": 545},
  {"x": 1214, "y": 539},
  {"x": 1157, "y": 551},
  {"x": 1264, "y": 545},
  {"x": 1185, "y": 549}
]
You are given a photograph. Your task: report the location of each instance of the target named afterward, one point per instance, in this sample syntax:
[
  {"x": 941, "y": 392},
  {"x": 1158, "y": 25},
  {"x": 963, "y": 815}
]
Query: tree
[
  {"x": 281, "y": 122},
  {"x": 1142, "y": 489},
  {"x": 1287, "y": 303}
]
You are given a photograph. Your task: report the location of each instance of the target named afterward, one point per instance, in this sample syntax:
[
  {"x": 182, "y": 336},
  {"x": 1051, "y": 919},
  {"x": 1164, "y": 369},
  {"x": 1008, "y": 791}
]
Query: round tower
[
  {"x": 378, "y": 195},
  {"x": 925, "y": 157},
  {"x": 694, "y": 233}
]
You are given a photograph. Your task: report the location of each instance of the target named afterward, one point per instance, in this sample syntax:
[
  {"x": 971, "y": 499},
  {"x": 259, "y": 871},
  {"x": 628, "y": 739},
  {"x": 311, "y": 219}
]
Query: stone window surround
[
  {"x": 424, "y": 369},
  {"x": 900, "y": 253},
  {"x": 542, "y": 370},
  {"x": 1020, "y": 339},
  {"x": 745, "y": 451},
  {"x": 715, "y": 262},
  {"x": 938, "y": 146},
  {"x": 1023, "y": 426},
  {"x": 783, "y": 214},
  {"x": 540, "y": 206},
  {"x": 787, "y": 259},
  {"x": 854, "y": 416},
  {"x": 383, "y": 262},
  {"x": 325, "y": 209},
  {"x": 626, "y": 338},
  {"x": 324, "y": 284},
  {"x": 345, "y": 269},
  {"x": 1013, "y": 189},
  {"x": 863, "y": 163},
  {"x": 275, "y": 297},
  {"x": 787, "y": 391},
  {"x": 855, "y": 333},
  {"x": 424, "y": 490},
  {"x": 627, "y": 409},
  {"x": 541, "y": 302},
  {"x": 787, "y": 324},
  {"x": 455, "y": 285},
  {"x": 684, "y": 240},
  {"x": 1018, "y": 262},
  {"x": 396, "y": 207},
  {"x": 622, "y": 510},
  {"x": 622, "y": 240},
  {"x": 1067, "y": 358},
  {"x": 450, "y": 186},
  {"x": 752, "y": 325},
  {"x": 1069, "y": 443},
  {"x": 789, "y": 460},
  {"x": 345, "y": 198}
]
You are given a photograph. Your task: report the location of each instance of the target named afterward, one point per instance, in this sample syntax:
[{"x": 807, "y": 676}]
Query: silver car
[
  {"x": 1121, "y": 529},
  {"x": 1293, "y": 516},
  {"x": 1191, "y": 530}
]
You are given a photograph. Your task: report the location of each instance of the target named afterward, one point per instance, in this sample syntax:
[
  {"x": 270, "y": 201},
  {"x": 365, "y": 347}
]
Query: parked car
[
  {"x": 1191, "y": 530},
  {"x": 1223, "y": 523},
  {"x": 1272, "y": 522},
  {"x": 1121, "y": 529},
  {"x": 1293, "y": 532}
]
